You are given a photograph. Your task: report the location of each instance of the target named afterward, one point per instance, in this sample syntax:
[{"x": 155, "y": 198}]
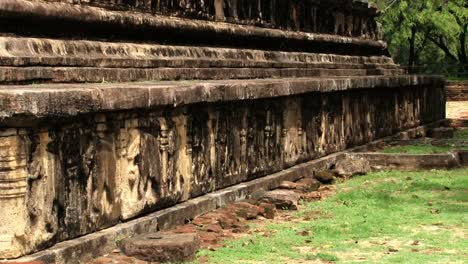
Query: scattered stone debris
[
  {"x": 162, "y": 247},
  {"x": 209, "y": 230},
  {"x": 442, "y": 132},
  {"x": 352, "y": 166}
]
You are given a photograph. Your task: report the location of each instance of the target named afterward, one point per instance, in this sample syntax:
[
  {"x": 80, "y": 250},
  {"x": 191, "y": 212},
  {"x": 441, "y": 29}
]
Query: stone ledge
[
  {"x": 50, "y": 15},
  {"x": 17, "y": 75},
  {"x": 90, "y": 246},
  {"x": 23, "y": 51},
  {"x": 66, "y": 100},
  {"x": 410, "y": 162}
]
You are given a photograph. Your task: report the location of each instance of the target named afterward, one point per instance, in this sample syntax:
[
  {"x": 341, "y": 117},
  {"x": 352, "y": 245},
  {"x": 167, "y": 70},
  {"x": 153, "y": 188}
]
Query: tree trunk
[
  {"x": 412, "y": 49},
  {"x": 462, "y": 56}
]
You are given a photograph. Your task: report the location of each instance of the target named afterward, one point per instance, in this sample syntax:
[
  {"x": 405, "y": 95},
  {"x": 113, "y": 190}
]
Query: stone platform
[{"x": 109, "y": 112}]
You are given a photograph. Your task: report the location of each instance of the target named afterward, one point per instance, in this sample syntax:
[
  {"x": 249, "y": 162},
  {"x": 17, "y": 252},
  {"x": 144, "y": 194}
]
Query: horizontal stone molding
[
  {"x": 23, "y": 51},
  {"x": 61, "y": 19},
  {"x": 61, "y": 100},
  {"x": 350, "y": 17}
]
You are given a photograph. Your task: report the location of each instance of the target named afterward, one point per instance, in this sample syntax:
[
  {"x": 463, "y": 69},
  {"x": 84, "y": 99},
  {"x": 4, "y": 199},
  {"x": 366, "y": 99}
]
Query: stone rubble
[{"x": 208, "y": 231}]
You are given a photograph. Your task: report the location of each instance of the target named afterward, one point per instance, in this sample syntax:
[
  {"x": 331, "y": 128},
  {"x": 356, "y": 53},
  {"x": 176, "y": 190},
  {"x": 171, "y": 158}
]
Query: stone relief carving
[
  {"x": 343, "y": 17},
  {"x": 110, "y": 167}
]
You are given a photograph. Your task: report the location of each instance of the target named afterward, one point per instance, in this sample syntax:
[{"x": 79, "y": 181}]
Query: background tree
[{"x": 432, "y": 32}]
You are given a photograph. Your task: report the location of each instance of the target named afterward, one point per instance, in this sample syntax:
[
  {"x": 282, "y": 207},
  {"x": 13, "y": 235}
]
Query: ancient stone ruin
[{"x": 112, "y": 109}]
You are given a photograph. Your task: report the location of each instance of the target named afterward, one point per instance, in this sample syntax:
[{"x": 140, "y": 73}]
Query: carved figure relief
[{"x": 344, "y": 17}]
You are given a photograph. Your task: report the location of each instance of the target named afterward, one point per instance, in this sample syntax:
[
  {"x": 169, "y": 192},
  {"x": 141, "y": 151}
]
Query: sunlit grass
[{"x": 385, "y": 217}]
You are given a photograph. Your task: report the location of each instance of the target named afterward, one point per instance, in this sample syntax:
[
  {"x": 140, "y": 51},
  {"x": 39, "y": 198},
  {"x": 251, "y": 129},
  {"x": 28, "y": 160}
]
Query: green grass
[
  {"x": 449, "y": 145},
  {"x": 384, "y": 217},
  {"x": 417, "y": 149}
]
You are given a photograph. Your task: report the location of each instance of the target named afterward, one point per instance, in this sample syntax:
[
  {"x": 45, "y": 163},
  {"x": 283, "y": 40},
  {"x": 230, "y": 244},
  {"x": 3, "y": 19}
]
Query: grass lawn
[
  {"x": 458, "y": 142},
  {"x": 384, "y": 217}
]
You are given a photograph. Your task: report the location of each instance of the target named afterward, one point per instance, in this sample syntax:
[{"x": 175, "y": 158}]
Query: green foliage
[
  {"x": 437, "y": 29},
  {"x": 384, "y": 217}
]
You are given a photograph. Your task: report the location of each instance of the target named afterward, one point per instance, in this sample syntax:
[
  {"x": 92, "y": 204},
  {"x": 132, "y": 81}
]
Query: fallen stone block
[
  {"x": 308, "y": 184},
  {"x": 442, "y": 132},
  {"x": 282, "y": 199},
  {"x": 352, "y": 166},
  {"x": 269, "y": 210},
  {"x": 162, "y": 247},
  {"x": 463, "y": 157},
  {"x": 245, "y": 210},
  {"x": 325, "y": 177}
]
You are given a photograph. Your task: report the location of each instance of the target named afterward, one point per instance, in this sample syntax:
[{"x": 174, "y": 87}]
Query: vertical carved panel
[
  {"x": 201, "y": 129},
  {"x": 183, "y": 154},
  {"x": 13, "y": 188},
  {"x": 292, "y": 131},
  {"x": 133, "y": 186},
  {"x": 229, "y": 126},
  {"x": 104, "y": 203},
  {"x": 44, "y": 168},
  {"x": 77, "y": 152},
  {"x": 311, "y": 113}
]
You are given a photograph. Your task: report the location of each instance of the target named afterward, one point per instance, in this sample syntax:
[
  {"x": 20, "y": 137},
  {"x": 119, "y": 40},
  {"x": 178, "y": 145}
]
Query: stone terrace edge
[{"x": 66, "y": 100}]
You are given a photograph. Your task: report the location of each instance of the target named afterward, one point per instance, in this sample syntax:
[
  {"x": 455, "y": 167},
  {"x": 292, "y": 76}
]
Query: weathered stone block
[
  {"x": 282, "y": 199},
  {"x": 352, "y": 166},
  {"x": 162, "y": 247},
  {"x": 442, "y": 132},
  {"x": 326, "y": 177}
]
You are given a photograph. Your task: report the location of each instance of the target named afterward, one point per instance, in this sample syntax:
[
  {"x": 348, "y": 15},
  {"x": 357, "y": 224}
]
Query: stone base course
[{"x": 91, "y": 246}]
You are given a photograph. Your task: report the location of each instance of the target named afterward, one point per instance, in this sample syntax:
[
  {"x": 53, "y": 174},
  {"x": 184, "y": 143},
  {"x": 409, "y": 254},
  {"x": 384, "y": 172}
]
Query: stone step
[
  {"x": 178, "y": 62},
  {"x": 22, "y": 102},
  {"x": 24, "y": 51},
  {"x": 21, "y": 17},
  {"x": 99, "y": 75}
]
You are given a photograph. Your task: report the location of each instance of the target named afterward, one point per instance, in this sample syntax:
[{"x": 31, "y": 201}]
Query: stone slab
[
  {"x": 61, "y": 100},
  {"x": 384, "y": 161},
  {"x": 162, "y": 247},
  {"x": 15, "y": 75}
]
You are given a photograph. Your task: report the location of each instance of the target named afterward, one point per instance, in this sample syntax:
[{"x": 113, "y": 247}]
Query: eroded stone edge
[{"x": 67, "y": 100}]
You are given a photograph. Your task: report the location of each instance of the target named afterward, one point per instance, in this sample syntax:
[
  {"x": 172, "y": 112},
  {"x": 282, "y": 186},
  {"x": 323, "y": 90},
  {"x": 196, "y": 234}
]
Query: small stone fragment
[
  {"x": 162, "y": 247},
  {"x": 303, "y": 233},
  {"x": 282, "y": 199},
  {"x": 308, "y": 184},
  {"x": 325, "y": 177},
  {"x": 245, "y": 210},
  {"x": 215, "y": 228},
  {"x": 312, "y": 196},
  {"x": 269, "y": 210}
]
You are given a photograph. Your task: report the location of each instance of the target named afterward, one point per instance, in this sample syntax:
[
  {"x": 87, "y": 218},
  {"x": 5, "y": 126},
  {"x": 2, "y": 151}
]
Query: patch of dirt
[{"x": 457, "y": 110}]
